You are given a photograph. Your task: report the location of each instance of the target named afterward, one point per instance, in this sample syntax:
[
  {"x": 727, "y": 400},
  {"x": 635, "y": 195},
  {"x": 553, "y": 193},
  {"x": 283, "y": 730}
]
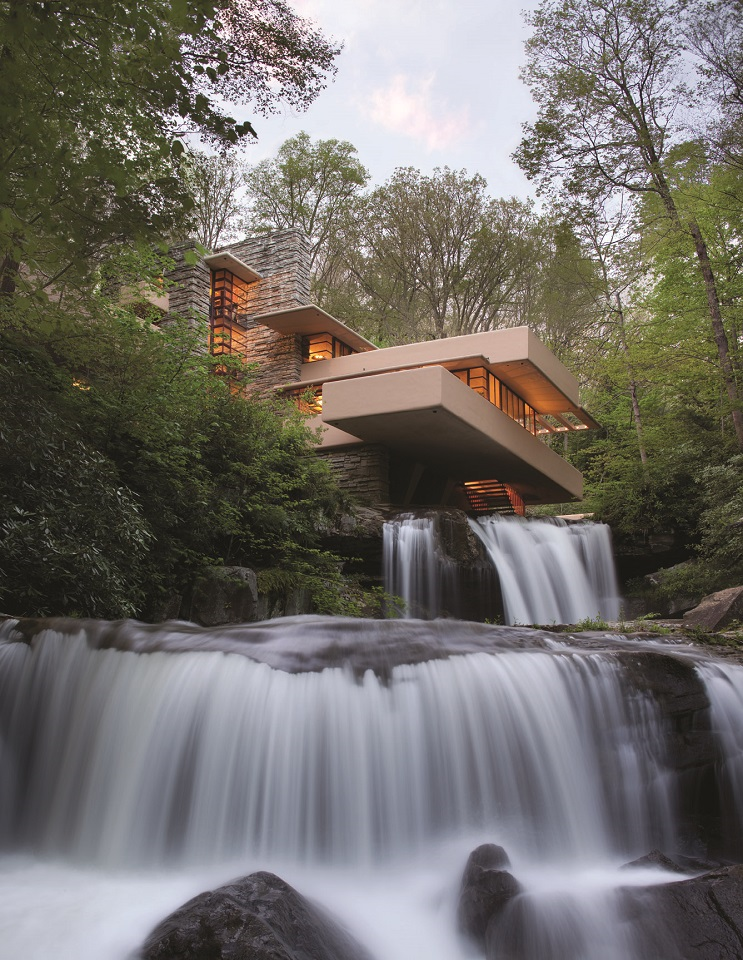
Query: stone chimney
[{"x": 282, "y": 258}]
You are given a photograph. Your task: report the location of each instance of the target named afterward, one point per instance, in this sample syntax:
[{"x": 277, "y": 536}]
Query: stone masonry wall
[
  {"x": 363, "y": 472},
  {"x": 191, "y": 284},
  {"x": 283, "y": 258}
]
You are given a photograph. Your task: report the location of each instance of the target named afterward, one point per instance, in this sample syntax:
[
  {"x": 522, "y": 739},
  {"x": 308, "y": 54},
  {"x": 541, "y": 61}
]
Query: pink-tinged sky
[{"x": 422, "y": 83}]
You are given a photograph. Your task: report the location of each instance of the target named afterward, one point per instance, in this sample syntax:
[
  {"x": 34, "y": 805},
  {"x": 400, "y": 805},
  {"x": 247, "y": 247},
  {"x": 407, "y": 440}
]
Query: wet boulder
[
  {"x": 696, "y": 919},
  {"x": 259, "y": 917},
  {"x": 487, "y": 887},
  {"x": 657, "y": 859},
  {"x": 717, "y": 611}
]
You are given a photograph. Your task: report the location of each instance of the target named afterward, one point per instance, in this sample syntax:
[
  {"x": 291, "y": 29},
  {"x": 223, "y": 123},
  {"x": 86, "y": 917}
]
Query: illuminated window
[
  {"x": 324, "y": 346},
  {"x": 229, "y": 299},
  {"x": 482, "y": 381}
]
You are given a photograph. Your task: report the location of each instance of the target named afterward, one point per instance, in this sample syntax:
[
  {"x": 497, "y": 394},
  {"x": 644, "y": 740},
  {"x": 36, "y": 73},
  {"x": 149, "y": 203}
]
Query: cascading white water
[
  {"x": 552, "y": 571},
  {"x": 413, "y": 565},
  {"x": 131, "y": 759},
  {"x": 365, "y": 789},
  {"x": 724, "y": 684}
]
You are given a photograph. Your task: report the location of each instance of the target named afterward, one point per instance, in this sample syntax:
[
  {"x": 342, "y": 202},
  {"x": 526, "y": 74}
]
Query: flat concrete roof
[
  {"x": 515, "y": 355},
  {"x": 310, "y": 319},
  {"x": 228, "y": 261},
  {"x": 428, "y": 415}
]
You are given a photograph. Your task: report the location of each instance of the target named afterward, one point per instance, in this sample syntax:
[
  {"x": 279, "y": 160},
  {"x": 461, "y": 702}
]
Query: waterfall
[
  {"x": 139, "y": 765},
  {"x": 550, "y": 571},
  {"x": 414, "y": 565},
  {"x": 130, "y": 758}
]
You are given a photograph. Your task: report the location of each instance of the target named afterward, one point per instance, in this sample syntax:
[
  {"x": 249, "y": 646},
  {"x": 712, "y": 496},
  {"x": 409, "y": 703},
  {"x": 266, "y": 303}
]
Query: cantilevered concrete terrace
[
  {"x": 427, "y": 414},
  {"x": 418, "y": 401}
]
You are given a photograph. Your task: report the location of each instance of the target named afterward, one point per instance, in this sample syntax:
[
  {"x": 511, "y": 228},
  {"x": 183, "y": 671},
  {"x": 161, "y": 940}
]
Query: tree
[
  {"x": 128, "y": 467},
  {"x": 74, "y": 539},
  {"x": 434, "y": 256},
  {"x": 310, "y": 186},
  {"x": 556, "y": 296},
  {"x": 215, "y": 182},
  {"x": 715, "y": 33},
  {"x": 607, "y": 78},
  {"x": 96, "y": 102},
  {"x": 608, "y": 233}
]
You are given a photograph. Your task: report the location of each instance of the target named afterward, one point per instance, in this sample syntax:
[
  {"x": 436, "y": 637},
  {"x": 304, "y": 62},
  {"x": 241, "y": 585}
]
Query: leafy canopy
[{"x": 96, "y": 98}]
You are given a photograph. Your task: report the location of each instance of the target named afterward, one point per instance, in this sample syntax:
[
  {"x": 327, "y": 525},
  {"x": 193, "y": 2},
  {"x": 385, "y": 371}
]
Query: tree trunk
[
  {"x": 8, "y": 275},
  {"x": 718, "y": 330},
  {"x": 632, "y": 383}
]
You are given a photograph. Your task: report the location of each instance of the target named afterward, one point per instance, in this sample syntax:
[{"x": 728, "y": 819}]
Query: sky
[{"x": 421, "y": 83}]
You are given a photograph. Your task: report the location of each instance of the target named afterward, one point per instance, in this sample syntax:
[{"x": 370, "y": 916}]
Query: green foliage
[
  {"x": 95, "y": 103},
  {"x": 610, "y": 83},
  {"x": 216, "y": 183},
  {"x": 435, "y": 256},
  {"x": 721, "y": 521},
  {"x": 128, "y": 465},
  {"x": 75, "y": 540},
  {"x": 312, "y": 186},
  {"x": 592, "y": 623},
  {"x": 174, "y": 470}
]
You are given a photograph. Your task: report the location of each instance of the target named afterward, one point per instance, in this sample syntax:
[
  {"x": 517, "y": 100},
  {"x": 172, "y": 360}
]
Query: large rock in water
[
  {"x": 696, "y": 919},
  {"x": 717, "y": 610},
  {"x": 487, "y": 887},
  {"x": 259, "y": 917}
]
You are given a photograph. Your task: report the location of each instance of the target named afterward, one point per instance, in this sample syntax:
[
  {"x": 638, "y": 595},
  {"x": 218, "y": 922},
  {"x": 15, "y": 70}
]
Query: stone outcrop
[
  {"x": 717, "y": 611},
  {"x": 225, "y": 595},
  {"x": 487, "y": 887},
  {"x": 692, "y": 751},
  {"x": 259, "y": 917},
  {"x": 696, "y": 919},
  {"x": 658, "y": 859}
]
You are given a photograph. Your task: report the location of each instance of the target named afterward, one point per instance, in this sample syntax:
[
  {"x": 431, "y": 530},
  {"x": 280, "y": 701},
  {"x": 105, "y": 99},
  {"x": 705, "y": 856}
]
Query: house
[{"x": 456, "y": 422}]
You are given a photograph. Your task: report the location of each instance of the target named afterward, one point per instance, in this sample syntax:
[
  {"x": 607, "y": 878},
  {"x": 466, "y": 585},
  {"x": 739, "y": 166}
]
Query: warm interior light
[{"x": 492, "y": 496}]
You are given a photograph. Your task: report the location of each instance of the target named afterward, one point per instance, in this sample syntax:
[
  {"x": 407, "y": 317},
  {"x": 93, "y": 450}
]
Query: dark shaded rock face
[
  {"x": 230, "y": 595},
  {"x": 471, "y": 591},
  {"x": 223, "y": 595},
  {"x": 357, "y": 538},
  {"x": 697, "y": 919},
  {"x": 487, "y": 887},
  {"x": 259, "y": 917},
  {"x": 717, "y": 611},
  {"x": 692, "y": 749}
]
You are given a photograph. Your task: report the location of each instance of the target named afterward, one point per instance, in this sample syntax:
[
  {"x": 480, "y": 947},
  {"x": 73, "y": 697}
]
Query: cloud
[{"x": 407, "y": 106}]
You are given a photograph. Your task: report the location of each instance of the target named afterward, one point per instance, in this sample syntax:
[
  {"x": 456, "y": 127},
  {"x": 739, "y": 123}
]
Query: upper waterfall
[{"x": 550, "y": 571}]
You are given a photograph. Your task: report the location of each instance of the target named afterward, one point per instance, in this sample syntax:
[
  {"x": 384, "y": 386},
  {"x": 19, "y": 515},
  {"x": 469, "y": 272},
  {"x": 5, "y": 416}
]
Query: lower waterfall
[
  {"x": 550, "y": 571},
  {"x": 360, "y": 760}
]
